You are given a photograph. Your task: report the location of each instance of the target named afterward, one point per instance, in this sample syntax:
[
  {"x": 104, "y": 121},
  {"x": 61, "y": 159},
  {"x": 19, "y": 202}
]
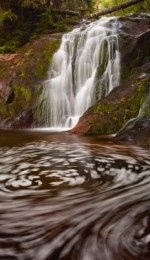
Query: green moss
[
  {"x": 23, "y": 74},
  {"x": 22, "y": 92},
  {"x": 22, "y": 101},
  {"x": 3, "y": 108},
  {"x": 43, "y": 62},
  {"x": 20, "y": 62},
  {"x": 109, "y": 117},
  {"x": 30, "y": 51},
  {"x": 3, "y": 69}
]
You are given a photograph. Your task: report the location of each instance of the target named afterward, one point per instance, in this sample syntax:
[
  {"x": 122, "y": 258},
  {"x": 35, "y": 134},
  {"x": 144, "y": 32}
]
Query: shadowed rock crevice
[{"x": 10, "y": 98}]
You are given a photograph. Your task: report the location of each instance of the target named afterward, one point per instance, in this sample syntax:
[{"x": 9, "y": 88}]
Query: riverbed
[{"x": 68, "y": 197}]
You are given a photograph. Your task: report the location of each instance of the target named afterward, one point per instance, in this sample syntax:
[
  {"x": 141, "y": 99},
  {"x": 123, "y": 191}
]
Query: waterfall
[{"x": 83, "y": 70}]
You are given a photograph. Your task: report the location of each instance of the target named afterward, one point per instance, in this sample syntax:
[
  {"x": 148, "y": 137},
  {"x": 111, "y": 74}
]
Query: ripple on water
[{"x": 74, "y": 201}]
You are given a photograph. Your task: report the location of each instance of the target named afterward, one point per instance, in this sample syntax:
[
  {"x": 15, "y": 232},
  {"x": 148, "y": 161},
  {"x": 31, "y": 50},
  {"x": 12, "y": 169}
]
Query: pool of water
[{"x": 71, "y": 197}]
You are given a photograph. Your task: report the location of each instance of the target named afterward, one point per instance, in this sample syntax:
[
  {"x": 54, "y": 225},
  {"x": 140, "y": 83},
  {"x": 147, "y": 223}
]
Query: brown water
[{"x": 69, "y": 197}]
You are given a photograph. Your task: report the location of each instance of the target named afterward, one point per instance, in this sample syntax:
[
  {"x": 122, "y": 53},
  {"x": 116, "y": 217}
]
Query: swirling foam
[{"x": 74, "y": 201}]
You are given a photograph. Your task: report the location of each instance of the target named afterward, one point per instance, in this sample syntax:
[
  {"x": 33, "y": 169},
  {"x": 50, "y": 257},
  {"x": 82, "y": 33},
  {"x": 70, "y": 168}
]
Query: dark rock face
[
  {"x": 136, "y": 131},
  {"x": 134, "y": 47},
  {"x": 131, "y": 98}
]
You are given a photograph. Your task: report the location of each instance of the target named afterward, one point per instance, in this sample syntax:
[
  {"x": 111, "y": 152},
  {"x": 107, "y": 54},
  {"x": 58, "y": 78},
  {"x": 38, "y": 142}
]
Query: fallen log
[
  {"x": 103, "y": 12},
  {"x": 114, "y": 8}
]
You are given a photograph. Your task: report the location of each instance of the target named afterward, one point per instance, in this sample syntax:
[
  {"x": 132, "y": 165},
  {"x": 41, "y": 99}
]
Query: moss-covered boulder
[
  {"x": 20, "y": 76},
  {"x": 111, "y": 113}
]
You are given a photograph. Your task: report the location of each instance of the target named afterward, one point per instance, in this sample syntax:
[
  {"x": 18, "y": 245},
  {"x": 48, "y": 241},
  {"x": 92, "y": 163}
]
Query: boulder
[{"x": 109, "y": 114}]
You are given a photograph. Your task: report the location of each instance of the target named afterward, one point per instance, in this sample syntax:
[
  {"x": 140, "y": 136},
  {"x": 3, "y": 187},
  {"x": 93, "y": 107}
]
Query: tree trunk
[
  {"x": 48, "y": 2},
  {"x": 114, "y": 8},
  {"x": 57, "y": 4}
]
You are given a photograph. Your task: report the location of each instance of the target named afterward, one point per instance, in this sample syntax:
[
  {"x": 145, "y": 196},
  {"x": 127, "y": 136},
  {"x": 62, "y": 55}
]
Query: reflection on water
[{"x": 67, "y": 197}]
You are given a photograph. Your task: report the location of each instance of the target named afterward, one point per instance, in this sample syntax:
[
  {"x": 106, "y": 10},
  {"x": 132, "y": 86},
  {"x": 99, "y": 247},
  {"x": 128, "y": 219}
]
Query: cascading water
[{"x": 83, "y": 70}]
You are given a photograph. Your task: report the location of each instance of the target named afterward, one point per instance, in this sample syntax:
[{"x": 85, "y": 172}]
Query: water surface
[{"x": 71, "y": 197}]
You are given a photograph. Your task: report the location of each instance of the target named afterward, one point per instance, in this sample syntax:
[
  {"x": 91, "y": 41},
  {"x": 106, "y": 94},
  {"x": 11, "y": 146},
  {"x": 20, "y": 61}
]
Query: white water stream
[{"x": 84, "y": 69}]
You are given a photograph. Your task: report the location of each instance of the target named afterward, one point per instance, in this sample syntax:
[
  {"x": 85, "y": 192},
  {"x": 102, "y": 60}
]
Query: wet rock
[
  {"x": 136, "y": 131},
  {"x": 24, "y": 120}
]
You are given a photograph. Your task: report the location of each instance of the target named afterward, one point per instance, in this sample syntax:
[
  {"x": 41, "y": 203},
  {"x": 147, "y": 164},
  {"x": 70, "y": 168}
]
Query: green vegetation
[
  {"x": 3, "y": 108},
  {"x": 23, "y": 21},
  {"x": 138, "y": 8},
  {"x": 22, "y": 92},
  {"x": 3, "y": 69}
]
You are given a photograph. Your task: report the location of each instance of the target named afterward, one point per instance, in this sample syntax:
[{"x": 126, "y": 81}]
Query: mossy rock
[
  {"x": 22, "y": 93},
  {"x": 34, "y": 64},
  {"x": 43, "y": 62},
  {"x": 112, "y": 112},
  {"x": 3, "y": 108},
  {"x": 24, "y": 74},
  {"x": 22, "y": 100},
  {"x": 3, "y": 69}
]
